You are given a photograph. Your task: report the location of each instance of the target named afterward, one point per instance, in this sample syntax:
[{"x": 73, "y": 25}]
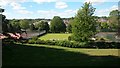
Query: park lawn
[
  {"x": 47, "y": 55},
  {"x": 55, "y": 36}
]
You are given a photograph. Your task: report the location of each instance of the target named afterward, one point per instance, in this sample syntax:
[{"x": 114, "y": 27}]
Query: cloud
[
  {"x": 6, "y": 2},
  {"x": 24, "y": 12},
  {"x": 61, "y": 5},
  {"x": 58, "y": 4},
  {"x": 50, "y": 14},
  {"x": 17, "y": 6},
  {"x": 19, "y": 9},
  {"x": 41, "y": 1},
  {"x": 114, "y": 7},
  {"x": 105, "y": 12},
  {"x": 98, "y": 1},
  {"x": 93, "y": 1}
]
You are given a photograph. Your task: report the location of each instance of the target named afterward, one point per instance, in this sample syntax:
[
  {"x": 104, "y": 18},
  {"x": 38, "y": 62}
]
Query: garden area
[{"x": 84, "y": 41}]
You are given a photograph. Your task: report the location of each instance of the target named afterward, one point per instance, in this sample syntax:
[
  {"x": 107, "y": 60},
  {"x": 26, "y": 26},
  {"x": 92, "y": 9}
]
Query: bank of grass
[
  {"x": 55, "y": 36},
  {"x": 89, "y": 51},
  {"x": 47, "y": 55}
]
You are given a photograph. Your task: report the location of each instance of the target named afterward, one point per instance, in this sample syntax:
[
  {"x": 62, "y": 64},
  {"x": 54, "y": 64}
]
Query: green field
[
  {"x": 47, "y": 55},
  {"x": 55, "y": 36}
]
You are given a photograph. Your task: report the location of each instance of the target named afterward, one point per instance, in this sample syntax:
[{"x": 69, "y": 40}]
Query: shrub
[
  {"x": 49, "y": 42},
  {"x": 73, "y": 44},
  {"x": 69, "y": 38},
  {"x": 31, "y": 41},
  {"x": 34, "y": 38},
  {"x": 40, "y": 41}
]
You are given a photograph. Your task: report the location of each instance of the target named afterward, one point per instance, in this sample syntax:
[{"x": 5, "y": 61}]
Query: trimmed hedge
[
  {"x": 66, "y": 43},
  {"x": 105, "y": 44}
]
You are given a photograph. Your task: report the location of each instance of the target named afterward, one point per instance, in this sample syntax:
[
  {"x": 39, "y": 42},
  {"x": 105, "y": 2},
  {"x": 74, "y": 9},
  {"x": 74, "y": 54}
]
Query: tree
[
  {"x": 104, "y": 25},
  {"x": 69, "y": 27},
  {"x": 15, "y": 26},
  {"x": 113, "y": 18},
  {"x": 4, "y": 21},
  {"x": 24, "y": 24},
  {"x": 9, "y": 26},
  {"x": 42, "y": 25},
  {"x": 4, "y": 24},
  {"x": 57, "y": 25},
  {"x": 84, "y": 25},
  {"x": 32, "y": 27}
]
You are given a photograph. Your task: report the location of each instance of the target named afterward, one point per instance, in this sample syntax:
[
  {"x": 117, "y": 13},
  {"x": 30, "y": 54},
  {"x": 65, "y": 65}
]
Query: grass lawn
[
  {"x": 55, "y": 36},
  {"x": 48, "y": 55}
]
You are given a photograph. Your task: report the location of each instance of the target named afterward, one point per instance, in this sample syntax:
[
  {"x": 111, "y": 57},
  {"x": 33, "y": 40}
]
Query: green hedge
[
  {"x": 72, "y": 44},
  {"x": 64, "y": 43},
  {"x": 105, "y": 44}
]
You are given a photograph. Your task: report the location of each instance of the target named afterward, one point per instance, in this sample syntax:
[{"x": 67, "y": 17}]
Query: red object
[
  {"x": 2, "y": 36},
  {"x": 15, "y": 36}
]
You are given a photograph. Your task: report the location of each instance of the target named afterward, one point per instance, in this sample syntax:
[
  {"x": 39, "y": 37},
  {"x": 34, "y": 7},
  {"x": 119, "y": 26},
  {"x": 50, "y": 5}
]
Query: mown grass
[
  {"x": 55, "y": 36},
  {"x": 33, "y": 55}
]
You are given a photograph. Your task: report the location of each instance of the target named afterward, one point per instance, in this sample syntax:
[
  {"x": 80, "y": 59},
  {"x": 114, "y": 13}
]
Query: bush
[
  {"x": 31, "y": 41},
  {"x": 65, "y": 43},
  {"x": 49, "y": 42},
  {"x": 104, "y": 45},
  {"x": 69, "y": 38},
  {"x": 34, "y": 38}
]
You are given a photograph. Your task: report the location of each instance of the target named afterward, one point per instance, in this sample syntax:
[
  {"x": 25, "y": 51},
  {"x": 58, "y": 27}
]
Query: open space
[
  {"x": 48, "y": 55},
  {"x": 68, "y": 33},
  {"x": 55, "y": 36}
]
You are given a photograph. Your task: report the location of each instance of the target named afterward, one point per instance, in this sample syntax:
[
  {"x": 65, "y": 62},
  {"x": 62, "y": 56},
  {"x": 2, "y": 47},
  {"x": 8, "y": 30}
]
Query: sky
[{"x": 32, "y": 9}]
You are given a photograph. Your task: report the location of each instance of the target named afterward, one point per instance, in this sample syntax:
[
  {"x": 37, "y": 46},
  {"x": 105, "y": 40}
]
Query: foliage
[
  {"x": 113, "y": 18},
  {"x": 4, "y": 24},
  {"x": 32, "y": 27},
  {"x": 15, "y": 26},
  {"x": 84, "y": 25},
  {"x": 104, "y": 25},
  {"x": 69, "y": 27},
  {"x": 34, "y": 38},
  {"x": 10, "y": 26},
  {"x": 42, "y": 25},
  {"x": 24, "y": 24},
  {"x": 57, "y": 25},
  {"x": 71, "y": 44}
]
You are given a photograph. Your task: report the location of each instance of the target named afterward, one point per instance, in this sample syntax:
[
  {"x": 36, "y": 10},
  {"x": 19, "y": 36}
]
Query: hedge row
[{"x": 66, "y": 43}]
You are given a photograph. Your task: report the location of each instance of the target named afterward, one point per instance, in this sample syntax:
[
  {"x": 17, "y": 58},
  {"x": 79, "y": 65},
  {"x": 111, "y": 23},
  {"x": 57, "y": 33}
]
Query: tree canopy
[
  {"x": 24, "y": 24},
  {"x": 84, "y": 25},
  {"x": 57, "y": 25},
  {"x": 42, "y": 25},
  {"x": 114, "y": 18}
]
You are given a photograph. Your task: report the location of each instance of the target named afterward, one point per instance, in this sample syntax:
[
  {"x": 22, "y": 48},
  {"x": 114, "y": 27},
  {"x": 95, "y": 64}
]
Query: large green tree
[
  {"x": 32, "y": 27},
  {"x": 57, "y": 25},
  {"x": 4, "y": 22},
  {"x": 114, "y": 19},
  {"x": 42, "y": 25},
  {"x": 84, "y": 25},
  {"x": 14, "y": 26},
  {"x": 24, "y": 24}
]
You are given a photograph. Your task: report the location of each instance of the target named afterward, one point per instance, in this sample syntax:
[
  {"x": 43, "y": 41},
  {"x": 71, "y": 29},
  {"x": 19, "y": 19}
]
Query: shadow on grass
[{"x": 32, "y": 56}]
